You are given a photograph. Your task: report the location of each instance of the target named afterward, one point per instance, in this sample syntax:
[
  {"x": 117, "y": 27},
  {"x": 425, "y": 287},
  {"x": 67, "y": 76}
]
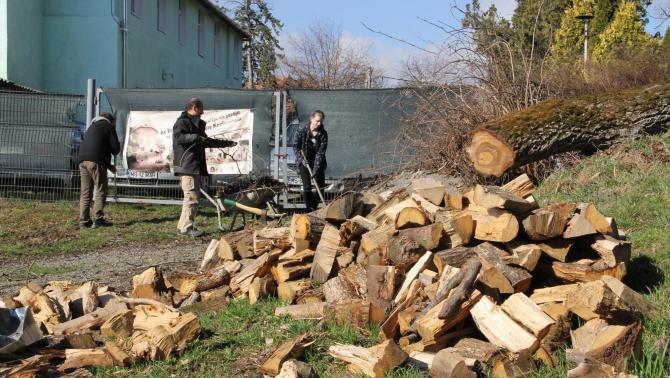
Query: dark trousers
[{"x": 311, "y": 199}]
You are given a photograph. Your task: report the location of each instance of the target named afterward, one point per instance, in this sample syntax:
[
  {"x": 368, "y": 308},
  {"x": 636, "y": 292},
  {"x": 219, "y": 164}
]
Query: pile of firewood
[
  {"x": 77, "y": 326},
  {"x": 461, "y": 281}
]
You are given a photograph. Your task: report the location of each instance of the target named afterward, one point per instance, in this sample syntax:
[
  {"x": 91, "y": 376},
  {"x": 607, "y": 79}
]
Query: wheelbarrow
[{"x": 257, "y": 201}]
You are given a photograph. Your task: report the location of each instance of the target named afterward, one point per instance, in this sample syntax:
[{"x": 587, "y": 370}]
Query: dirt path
[{"x": 112, "y": 266}]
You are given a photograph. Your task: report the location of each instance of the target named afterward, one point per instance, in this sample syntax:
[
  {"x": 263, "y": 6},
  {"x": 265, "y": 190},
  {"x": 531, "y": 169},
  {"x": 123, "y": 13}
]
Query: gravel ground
[{"x": 112, "y": 266}]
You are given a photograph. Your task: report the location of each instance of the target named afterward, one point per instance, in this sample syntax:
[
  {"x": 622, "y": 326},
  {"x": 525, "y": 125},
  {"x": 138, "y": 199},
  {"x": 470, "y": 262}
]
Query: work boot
[
  {"x": 191, "y": 232},
  {"x": 85, "y": 225},
  {"x": 100, "y": 223}
]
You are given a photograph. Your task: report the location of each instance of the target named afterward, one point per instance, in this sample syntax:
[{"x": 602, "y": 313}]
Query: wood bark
[
  {"x": 462, "y": 292},
  {"x": 574, "y": 272},
  {"x": 411, "y": 275},
  {"x": 521, "y": 186},
  {"x": 610, "y": 344},
  {"x": 89, "y": 321},
  {"x": 452, "y": 257},
  {"x": 405, "y": 248},
  {"x": 77, "y": 358},
  {"x": 448, "y": 364},
  {"x": 574, "y": 124},
  {"x": 291, "y": 348},
  {"x": 508, "y": 279},
  {"x": 494, "y": 197},
  {"x": 326, "y": 251},
  {"x": 375, "y": 361},
  {"x": 411, "y": 217},
  {"x": 305, "y": 231},
  {"x": 354, "y": 228},
  {"x": 343, "y": 208}
]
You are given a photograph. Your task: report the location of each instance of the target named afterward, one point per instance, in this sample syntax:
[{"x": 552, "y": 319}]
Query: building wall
[
  {"x": 156, "y": 59},
  {"x": 22, "y": 56},
  {"x": 3, "y": 39}
]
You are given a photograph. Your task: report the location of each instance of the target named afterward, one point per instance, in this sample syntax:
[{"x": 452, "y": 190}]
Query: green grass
[{"x": 34, "y": 228}]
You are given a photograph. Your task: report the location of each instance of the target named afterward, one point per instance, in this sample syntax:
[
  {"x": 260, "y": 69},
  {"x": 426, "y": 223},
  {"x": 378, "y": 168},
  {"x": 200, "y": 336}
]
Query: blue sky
[{"x": 399, "y": 18}]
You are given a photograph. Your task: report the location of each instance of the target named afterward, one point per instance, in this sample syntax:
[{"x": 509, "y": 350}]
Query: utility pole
[
  {"x": 250, "y": 45},
  {"x": 368, "y": 77},
  {"x": 585, "y": 18}
]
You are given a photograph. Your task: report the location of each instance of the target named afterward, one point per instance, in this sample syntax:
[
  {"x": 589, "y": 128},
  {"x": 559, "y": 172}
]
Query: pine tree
[
  {"x": 535, "y": 22},
  {"x": 569, "y": 39},
  {"x": 624, "y": 35}
]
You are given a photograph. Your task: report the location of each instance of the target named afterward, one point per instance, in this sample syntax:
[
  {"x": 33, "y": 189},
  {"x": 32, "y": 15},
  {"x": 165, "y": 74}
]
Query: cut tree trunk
[
  {"x": 411, "y": 217},
  {"x": 575, "y": 124},
  {"x": 557, "y": 249},
  {"x": 89, "y": 321}
]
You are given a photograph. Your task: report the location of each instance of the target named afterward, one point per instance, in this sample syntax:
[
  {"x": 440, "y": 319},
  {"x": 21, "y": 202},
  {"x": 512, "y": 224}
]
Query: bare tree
[{"x": 321, "y": 57}]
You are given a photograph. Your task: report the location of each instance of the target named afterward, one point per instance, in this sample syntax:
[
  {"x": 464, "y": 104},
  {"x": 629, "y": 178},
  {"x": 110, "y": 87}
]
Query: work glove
[{"x": 200, "y": 139}]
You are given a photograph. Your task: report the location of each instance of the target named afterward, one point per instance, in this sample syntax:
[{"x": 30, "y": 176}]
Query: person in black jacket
[
  {"x": 100, "y": 142},
  {"x": 312, "y": 141},
  {"x": 189, "y": 141}
]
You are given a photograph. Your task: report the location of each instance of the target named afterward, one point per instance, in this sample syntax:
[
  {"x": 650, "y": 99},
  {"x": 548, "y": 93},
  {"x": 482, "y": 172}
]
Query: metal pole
[
  {"x": 277, "y": 151},
  {"x": 284, "y": 136},
  {"x": 90, "y": 101},
  {"x": 586, "y": 41}
]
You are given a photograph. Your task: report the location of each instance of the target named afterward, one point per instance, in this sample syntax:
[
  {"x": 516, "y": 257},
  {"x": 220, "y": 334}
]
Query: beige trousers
[
  {"x": 93, "y": 177},
  {"x": 190, "y": 185}
]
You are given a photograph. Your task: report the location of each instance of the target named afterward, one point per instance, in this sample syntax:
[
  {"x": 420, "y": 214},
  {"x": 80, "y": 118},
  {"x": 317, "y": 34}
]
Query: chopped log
[
  {"x": 555, "y": 340},
  {"x": 310, "y": 296},
  {"x": 225, "y": 251},
  {"x": 89, "y": 321},
  {"x": 557, "y": 249},
  {"x": 81, "y": 340},
  {"x": 632, "y": 299},
  {"x": 288, "y": 290},
  {"x": 389, "y": 328},
  {"x": 378, "y": 213},
  {"x": 405, "y": 248},
  {"x": 258, "y": 268},
  {"x": 474, "y": 350},
  {"x": 494, "y": 225},
  {"x": 587, "y": 221},
  {"x": 405, "y": 319},
  {"x": 149, "y": 284},
  {"x": 524, "y": 255},
  {"x": 267, "y": 239},
  {"x": 391, "y": 214},
  {"x": 500, "y": 329},
  {"x": 290, "y": 270},
  {"x": 339, "y": 289},
  {"x": 296, "y": 369},
  {"x": 211, "y": 257},
  {"x": 422, "y": 360},
  {"x": 305, "y": 231},
  {"x": 612, "y": 251},
  {"x": 410, "y": 217},
  {"x": 427, "y": 277},
  {"x": 428, "y": 207},
  {"x": 26, "y": 293},
  {"x": 544, "y": 224},
  {"x": 261, "y": 287},
  {"x": 188, "y": 283},
  {"x": 374, "y": 362},
  {"x": 588, "y": 367},
  {"x": 528, "y": 314},
  {"x": 326, "y": 251},
  {"x": 354, "y": 228},
  {"x": 291, "y": 348},
  {"x": 343, "y": 208},
  {"x": 344, "y": 258},
  {"x": 449, "y": 279},
  {"x": 430, "y": 189},
  {"x": 552, "y": 294},
  {"x": 45, "y": 312},
  {"x": 575, "y": 272},
  {"x": 374, "y": 243},
  {"x": 355, "y": 312},
  {"x": 521, "y": 186},
  {"x": 461, "y": 293},
  {"x": 452, "y": 257},
  {"x": 411, "y": 275},
  {"x": 453, "y": 201},
  {"x": 119, "y": 325},
  {"x": 510, "y": 279},
  {"x": 458, "y": 225},
  {"x": 555, "y": 310},
  {"x": 241, "y": 243},
  {"x": 610, "y": 344},
  {"x": 494, "y": 197},
  {"x": 608, "y": 297},
  {"x": 381, "y": 285},
  {"x": 120, "y": 357},
  {"x": 77, "y": 358},
  {"x": 448, "y": 364},
  {"x": 220, "y": 292},
  {"x": 513, "y": 366},
  {"x": 89, "y": 297},
  {"x": 557, "y": 126},
  {"x": 306, "y": 311},
  {"x": 431, "y": 327}
]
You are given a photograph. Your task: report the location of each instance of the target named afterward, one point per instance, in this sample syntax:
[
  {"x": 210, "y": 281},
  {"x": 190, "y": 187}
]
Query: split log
[
  {"x": 374, "y": 244},
  {"x": 149, "y": 284},
  {"x": 475, "y": 351},
  {"x": 343, "y": 208},
  {"x": 288, "y": 290},
  {"x": 452, "y": 257},
  {"x": 292, "y": 348},
  {"x": 344, "y": 258},
  {"x": 608, "y": 297},
  {"x": 306, "y": 311},
  {"x": 453, "y": 201},
  {"x": 430, "y": 189},
  {"x": 494, "y": 225},
  {"x": 554, "y": 341},
  {"x": 405, "y": 248},
  {"x": 374, "y": 362},
  {"x": 354, "y": 312},
  {"x": 258, "y": 268},
  {"x": 267, "y": 239},
  {"x": 45, "y": 312},
  {"x": 494, "y": 197},
  {"x": 500, "y": 329},
  {"x": 450, "y": 365},
  {"x": 119, "y": 325},
  {"x": 411, "y": 275},
  {"x": 310, "y": 296},
  {"x": 610, "y": 344},
  {"x": 381, "y": 285},
  {"x": 305, "y": 231},
  {"x": 411, "y": 217},
  {"x": 391, "y": 214},
  {"x": 378, "y": 213},
  {"x": 459, "y": 226},
  {"x": 575, "y": 272},
  {"x": 296, "y": 369},
  {"x": 428, "y": 207},
  {"x": 389, "y": 328},
  {"x": 237, "y": 245},
  {"x": 292, "y": 266},
  {"x": 528, "y": 314},
  {"x": 326, "y": 251},
  {"x": 588, "y": 367},
  {"x": 552, "y": 294},
  {"x": 612, "y": 251},
  {"x": 89, "y": 297},
  {"x": 427, "y": 277},
  {"x": 431, "y": 327},
  {"x": 81, "y": 340},
  {"x": 422, "y": 360},
  {"x": 339, "y": 289},
  {"x": 261, "y": 287},
  {"x": 354, "y": 228},
  {"x": 513, "y": 366},
  {"x": 587, "y": 220},
  {"x": 521, "y": 186},
  {"x": 544, "y": 224},
  {"x": 497, "y": 274},
  {"x": 524, "y": 255},
  {"x": 25, "y": 295},
  {"x": 225, "y": 251},
  {"x": 557, "y": 249},
  {"x": 120, "y": 357},
  {"x": 77, "y": 358},
  {"x": 211, "y": 257},
  {"x": 574, "y": 124},
  {"x": 218, "y": 293},
  {"x": 468, "y": 274},
  {"x": 188, "y": 283}
]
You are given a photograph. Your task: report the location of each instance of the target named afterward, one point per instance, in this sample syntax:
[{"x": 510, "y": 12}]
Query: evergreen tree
[
  {"x": 569, "y": 39},
  {"x": 624, "y": 35},
  {"x": 537, "y": 21}
]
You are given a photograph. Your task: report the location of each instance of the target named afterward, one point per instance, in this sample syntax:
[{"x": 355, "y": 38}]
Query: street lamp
[{"x": 585, "y": 18}]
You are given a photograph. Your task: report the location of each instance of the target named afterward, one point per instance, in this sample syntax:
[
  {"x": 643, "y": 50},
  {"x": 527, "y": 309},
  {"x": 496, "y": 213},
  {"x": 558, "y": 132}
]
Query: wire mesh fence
[{"x": 39, "y": 145}]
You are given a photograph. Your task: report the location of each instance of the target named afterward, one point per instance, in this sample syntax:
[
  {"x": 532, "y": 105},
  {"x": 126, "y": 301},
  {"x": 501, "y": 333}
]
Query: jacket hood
[{"x": 96, "y": 119}]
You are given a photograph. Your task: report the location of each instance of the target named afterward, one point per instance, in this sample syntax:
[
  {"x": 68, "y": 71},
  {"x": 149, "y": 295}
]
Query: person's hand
[
  {"x": 230, "y": 143},
  {"x": 200, "y": 139}
]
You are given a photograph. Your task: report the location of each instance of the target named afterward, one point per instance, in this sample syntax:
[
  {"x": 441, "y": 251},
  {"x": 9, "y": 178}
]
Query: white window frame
[
  {"x": 217, "y": 45},
  {"x": 161, "y": 13},
  {"x": 201, "y": 32}
]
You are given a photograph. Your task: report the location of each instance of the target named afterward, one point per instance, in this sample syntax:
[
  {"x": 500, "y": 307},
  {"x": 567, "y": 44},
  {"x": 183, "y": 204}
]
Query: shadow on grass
[{"x": 643, "y": 275}]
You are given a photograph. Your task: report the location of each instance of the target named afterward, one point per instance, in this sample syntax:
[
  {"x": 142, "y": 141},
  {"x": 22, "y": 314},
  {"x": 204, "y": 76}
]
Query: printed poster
[{"x": 148, "y": 142}]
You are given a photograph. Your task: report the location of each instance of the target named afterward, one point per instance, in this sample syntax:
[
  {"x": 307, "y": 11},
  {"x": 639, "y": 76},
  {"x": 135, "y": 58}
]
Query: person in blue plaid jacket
[{"x": 312, "y": 140}]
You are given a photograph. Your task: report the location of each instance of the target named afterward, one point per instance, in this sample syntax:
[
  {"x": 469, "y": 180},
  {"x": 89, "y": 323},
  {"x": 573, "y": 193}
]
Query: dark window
[
  {"x": 217, "y": 45},
  {"x": 161, "y": 20},
  {"x": 136, "y": 7},
  {"x": 182, "y": 22},
  {"x": 201, "y": 32}
]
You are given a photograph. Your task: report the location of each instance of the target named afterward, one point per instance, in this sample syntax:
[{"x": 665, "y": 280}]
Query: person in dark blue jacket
[{"x": 312, "y": 141}]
